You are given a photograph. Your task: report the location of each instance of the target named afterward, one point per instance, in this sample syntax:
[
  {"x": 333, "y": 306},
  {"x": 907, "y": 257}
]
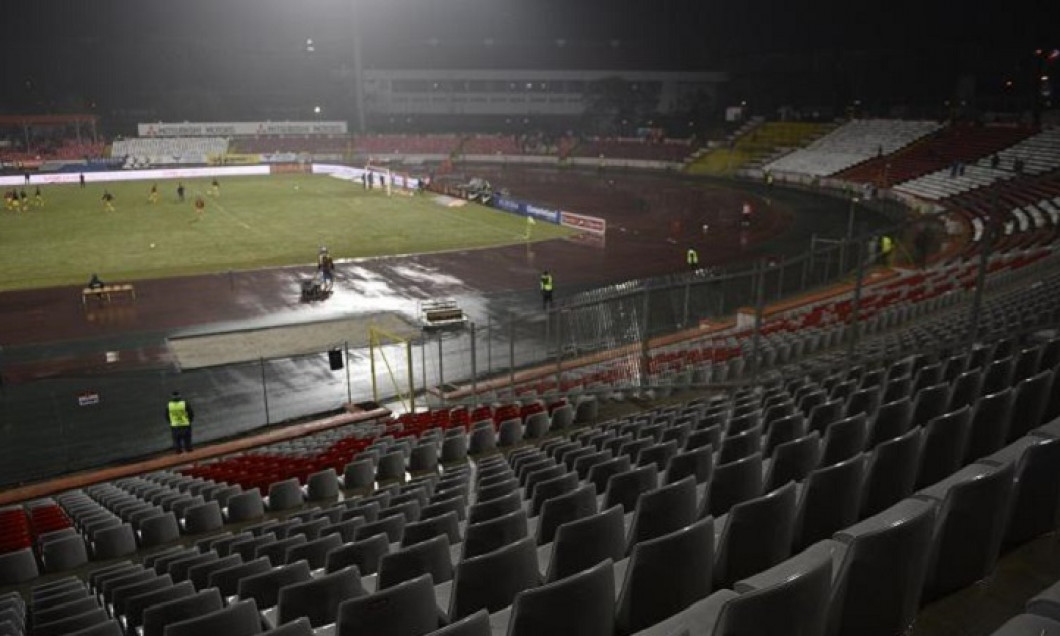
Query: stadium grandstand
[{"x": 524, "y": 351}]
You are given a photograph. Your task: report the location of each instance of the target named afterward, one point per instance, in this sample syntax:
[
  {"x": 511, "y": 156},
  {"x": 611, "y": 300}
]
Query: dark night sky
[{"x": 64, "y": 55}]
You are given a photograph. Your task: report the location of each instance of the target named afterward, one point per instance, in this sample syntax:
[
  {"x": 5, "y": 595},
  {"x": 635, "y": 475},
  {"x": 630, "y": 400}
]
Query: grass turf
[{"x": 255, "y": 222}]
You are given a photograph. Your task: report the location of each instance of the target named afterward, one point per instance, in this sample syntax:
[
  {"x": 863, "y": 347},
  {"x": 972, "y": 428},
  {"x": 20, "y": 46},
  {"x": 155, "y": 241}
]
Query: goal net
[
  {"x": 391, "y": 181},
  {"x": 391, "y": 365}
]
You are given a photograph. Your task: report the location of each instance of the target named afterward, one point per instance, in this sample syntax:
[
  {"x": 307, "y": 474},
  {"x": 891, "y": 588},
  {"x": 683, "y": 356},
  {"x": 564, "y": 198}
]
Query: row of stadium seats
[
  {"x": 145, "y": 152},
  {"x": 956, "y": 143},
  {"x": 850, "y": 144},
  {"x": 617, "y": 465},
  {"x": 1039, "y": 153}
]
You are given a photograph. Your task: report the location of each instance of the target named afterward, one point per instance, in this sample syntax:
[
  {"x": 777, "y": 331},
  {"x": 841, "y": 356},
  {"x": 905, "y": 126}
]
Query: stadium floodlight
[{"x": 316, "y": 110}]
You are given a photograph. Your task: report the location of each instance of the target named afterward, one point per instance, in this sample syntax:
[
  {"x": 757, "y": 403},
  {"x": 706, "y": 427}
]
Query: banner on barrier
[
  {"x": 592, "y": 224},
  {"x": 515, "y": 206},
  {"x": 234, "y": 159},
  {"x": 137, "y": 175},
  {"x": 241, "y": 128}
]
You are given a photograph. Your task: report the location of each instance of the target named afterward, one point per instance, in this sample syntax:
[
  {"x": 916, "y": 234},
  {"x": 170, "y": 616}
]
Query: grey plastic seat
[
  {"x": 64, "y": 553},
  {"x": 318, "y": 599},
  {"x": 844, "y": 439},
  {"x": 864, "y": 401},
  {"x": 409, "y": 509},
  {"x": 880, "y": 565},
  {"x": 407, "y": 609},
  {"x": 1028, "y": 625},
  {"x": 510, "y": 433},
  {"x": 1028, "y": 409},
  {"x": 582, "y": 543},
  {"x": 113, "y": 542},
  {"x": 1037, "y": 482},
  {"x": 784, "y": 429},
  {"x": 487, "y": 536},
  {"x": 998, "y": 376},
  {"x": 736, "y": 447},
  {"x": 199, "y": 575},
  {"x": 794, "y": 460},
  {"x": 426, "y": 557},
  {"x": 943, "y": 450},
  {"x": 583, "y": 604},
  {"x": 757, "y": 534},
  {"x": 830, "y": 500},
  {"x": 990, "y": 424},
  {"x": 493, "y": 508},
  {"x": 358, "y": 474},
  {"x": 891, "y": 472},
  {"x": 482, "y": 440},
  {"x": 18, "y": 566},
  {"x": 492, "y": 580},
  {"x": 365, "y": 554},
  {"x": 697, "y": 463},
  {"x": 658, "y": 454},
  {"x": 732, "y": 483},
  {"x": 477, "y": 624},
  {"x": 64, "y": 610},
  {"x": 892, "y": 420},
  {"x": 245, "y": 506},
  {"x": 265, "y": 587},
  {"x": 106, "y": 628},
  {"x": 136, "y": 605},
  {"x": 179, "y": 569},
  {"x": 73, "y": 623},
  {"x": 322, "y": 485},
  {"x": 666, "y": 575},
  {"x": 203, "y": 518},
  {"x": 930, "y": 403},
  {"x": 602, "y": 472},
  {"x": 285, "y": 495},
  {"x": 967, "y": 387},
  {"x": 454, "y": 449},
  {"x": 969, "y": 527},
  {"x": 239, "y": 619},
  {"x": 571, "y": 506},
  {"x": 391, "y": 467},
  {"x": 625, "y": 488},
  {"x": 824, "y": 414},
  {"x": 313, "y": 552},
  {"x": 550, "y": 489},
  {"x": 227, "y": 579},
  {"x": 120, "y": 595},
  {"x": 562, "y": 417},
  {"x": 276, "y": 551},
  {"x": 537, "y": 425},
  {"x": 663, "y": 510},
  {"x": 424, "y": 457},
  {"x": 157, "y": 617},
  {"x": 543, "y": 474},
  {"x": 447, "y": 525},
  {"x": 789, "y": 599},
  {"x": 710, "y": 436},
  {"x": 393, "y": 527}
]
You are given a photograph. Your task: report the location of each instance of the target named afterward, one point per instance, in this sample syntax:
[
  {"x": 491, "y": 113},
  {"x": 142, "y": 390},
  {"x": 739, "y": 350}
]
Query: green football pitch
[{"x": 255, "y": 222}]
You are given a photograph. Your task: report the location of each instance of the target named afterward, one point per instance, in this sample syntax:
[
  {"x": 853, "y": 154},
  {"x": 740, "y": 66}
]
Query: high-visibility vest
[
  {"x": 692, "y": 257},
  {"x": 886, "y": 244},
  {"x": 178, "y": 414},
  {"x": 546, "y": 282}
]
